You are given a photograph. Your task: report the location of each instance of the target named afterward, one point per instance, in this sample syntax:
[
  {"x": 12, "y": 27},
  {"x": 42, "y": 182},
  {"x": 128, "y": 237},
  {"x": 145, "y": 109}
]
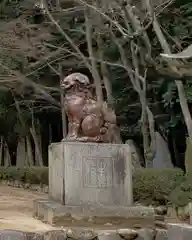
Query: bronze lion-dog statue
[{"x": 89, "y": 120}]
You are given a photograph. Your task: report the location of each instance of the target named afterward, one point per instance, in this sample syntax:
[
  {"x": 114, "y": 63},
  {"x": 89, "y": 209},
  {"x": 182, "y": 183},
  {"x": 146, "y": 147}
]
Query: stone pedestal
[
  {"x": 91, "y": 184},
  {"x": 90, "y": 173}
]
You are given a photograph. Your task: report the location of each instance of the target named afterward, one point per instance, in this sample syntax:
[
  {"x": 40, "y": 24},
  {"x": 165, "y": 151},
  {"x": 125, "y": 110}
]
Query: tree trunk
[
  {"x": 145, "y": 132},
  {"x": 7, "y": 158},
  {"x": 94, "y": 70},
  {"x": 184, "y": 107},
  {"x": 50, "y": 134},
  {"x": 21, "y": 153},
  {"x": 105, "y": 75},
  {"x": 62, "y": 99},
  {"x": 64, "y": 118},
  {"x": 103, "y": 67},
  {"x": 151, "y": 122},
  {"x": 37, "y": 141},
  {"x": 108, "y": 86},
  {"x": 30, "y": 159},
  {"x": 1, "y": 151}
]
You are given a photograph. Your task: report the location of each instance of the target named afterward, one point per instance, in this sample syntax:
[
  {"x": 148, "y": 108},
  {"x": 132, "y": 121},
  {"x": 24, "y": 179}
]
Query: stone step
[
  {"x": 86, "y": 234},
  {"x": 179, "y": 231},
  {"x": 14, "y": 235},
  {"x": 159, "y": 217},
  {"x": 160, "y": 224},
  {"x": 106, "y": 216}
]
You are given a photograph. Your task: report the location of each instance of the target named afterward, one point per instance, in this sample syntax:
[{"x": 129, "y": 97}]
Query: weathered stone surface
[
  {"x": 78, "y": 234},
  {"x": 88, "y": 234},
  {"x": 127, "y": 234},
  {"x": 161, "y": 234},
  {"x": 179, "y": 231},
  {"x": 39, "y": 236},
  {"x": 146, "y": 234},
  {"x": 90, "y": 173},
  {"x": 58, "y": 214},
  {"x": 55, "y": 235},
  {"x": 14, "y": 235},
  {"x": 56, "y": 172},
  {"x": 111, "y": 235},
  {"x": 161, "y": 210},
  {"x": 51, "y": 235}
]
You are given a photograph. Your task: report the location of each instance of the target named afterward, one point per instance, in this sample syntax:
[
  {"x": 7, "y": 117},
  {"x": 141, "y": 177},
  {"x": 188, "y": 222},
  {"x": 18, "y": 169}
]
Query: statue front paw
[
  {"x": 103, "y": 130},
  {"x": 70, "y": 138}
]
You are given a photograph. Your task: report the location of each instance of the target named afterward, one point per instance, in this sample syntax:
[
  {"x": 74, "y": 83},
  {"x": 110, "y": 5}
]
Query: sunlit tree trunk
[{"x": 30, "y": 159}]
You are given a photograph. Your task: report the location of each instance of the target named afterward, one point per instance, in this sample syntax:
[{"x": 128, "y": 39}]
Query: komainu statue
[{"x": 89, "y": 120}]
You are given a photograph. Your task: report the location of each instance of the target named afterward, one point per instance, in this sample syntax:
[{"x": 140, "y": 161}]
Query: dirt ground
[{"x": 16, "y": 209}]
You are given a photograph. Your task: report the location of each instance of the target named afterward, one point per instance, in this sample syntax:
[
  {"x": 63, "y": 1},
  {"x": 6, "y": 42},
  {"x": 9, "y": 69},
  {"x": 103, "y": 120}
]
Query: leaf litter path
[{"x": 16, "y": 210}]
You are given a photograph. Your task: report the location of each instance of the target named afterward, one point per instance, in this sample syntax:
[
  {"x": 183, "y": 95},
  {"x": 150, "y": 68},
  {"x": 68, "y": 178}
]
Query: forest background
[{"x": 117, "y": 44}]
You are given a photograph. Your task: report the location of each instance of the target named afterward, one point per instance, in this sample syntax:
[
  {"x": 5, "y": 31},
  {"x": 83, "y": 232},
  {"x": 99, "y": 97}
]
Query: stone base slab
[
  {"x": 108, "y": 217},
  {"x": 179, "y": 231}
]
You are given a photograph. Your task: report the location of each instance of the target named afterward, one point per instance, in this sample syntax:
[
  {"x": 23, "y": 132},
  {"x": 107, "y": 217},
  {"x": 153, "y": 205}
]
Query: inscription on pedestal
[{"x": 97, "y": 172}]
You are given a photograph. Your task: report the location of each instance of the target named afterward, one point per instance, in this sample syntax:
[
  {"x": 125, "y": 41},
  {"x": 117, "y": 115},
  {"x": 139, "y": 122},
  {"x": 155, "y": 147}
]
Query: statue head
[{"x": 74, "y": 79}]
